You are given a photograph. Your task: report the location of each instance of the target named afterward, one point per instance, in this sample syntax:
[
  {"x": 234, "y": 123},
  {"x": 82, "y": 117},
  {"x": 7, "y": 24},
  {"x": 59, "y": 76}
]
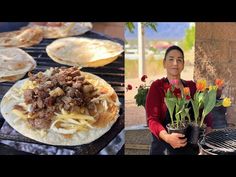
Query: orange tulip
[
  {"x": 219, "y": 82},
  {"x": 186, "y": 91},
  {"x": 201, "y": 85}
]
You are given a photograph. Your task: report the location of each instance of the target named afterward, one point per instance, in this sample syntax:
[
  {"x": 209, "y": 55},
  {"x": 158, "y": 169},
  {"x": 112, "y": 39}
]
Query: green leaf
[
  {"x": 195, "y": 109},
  {"x": 130, "y": 26},
  {"x": 169, "y": 94},
  {"x": 170, "y": 103},
  {"x": 219, "y": 103},
  {"x": 151, "y": 25},
  {"x": 183, "y": 115},
  {"x": 200, "y": 98},
  {"x": 209, "y": 102},
  {"x": 180, "y": 107},
  {"x": 187, "y": 114}
]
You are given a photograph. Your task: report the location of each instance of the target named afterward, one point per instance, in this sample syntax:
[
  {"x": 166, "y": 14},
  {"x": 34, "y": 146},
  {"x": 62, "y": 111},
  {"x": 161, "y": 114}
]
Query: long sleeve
[{"x": 154, "y": 108}]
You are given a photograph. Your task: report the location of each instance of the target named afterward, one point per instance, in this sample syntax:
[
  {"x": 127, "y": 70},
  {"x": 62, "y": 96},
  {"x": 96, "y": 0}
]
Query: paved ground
[
  {"x": 137, "y": 135},
  {"x": 137, "y": 140}
]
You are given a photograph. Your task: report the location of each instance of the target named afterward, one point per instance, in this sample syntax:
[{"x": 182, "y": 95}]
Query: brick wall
[
  {"x": 113, "y": 29},
  {"x": 215, "y": 57}
]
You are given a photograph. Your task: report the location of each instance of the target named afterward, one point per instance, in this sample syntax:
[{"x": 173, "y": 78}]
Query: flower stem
[{"x": 201, "y": 121}]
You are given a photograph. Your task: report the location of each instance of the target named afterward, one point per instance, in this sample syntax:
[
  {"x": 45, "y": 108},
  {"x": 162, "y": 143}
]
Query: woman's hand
[{"x": 176, "y": 140}]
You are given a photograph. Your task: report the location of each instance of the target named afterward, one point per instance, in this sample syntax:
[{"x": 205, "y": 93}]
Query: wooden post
[{"x": 141, "y": 50}]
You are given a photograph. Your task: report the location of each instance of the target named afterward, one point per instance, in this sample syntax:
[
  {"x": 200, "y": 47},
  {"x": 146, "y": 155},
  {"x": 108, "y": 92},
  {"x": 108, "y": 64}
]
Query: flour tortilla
[
  {"x": 21, "y": 38},
  {"x": 65, "y": 30},
  {"x": 11, "y": 78},
  {"x": 79, "y": 138},
  {"x": 14, "y": 64},
  {"x": 85, "y": 52}
]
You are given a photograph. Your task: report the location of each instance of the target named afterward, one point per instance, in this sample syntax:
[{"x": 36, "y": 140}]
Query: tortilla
[
  {"x": 84, "y": 52},
  {"x": 14, "y": 64},
  {"x": 100, "y": 127},
  {"x": 11, "y": 78},
  {"x": 65, "y": 30},
  {"x": 21, "y": 38}
]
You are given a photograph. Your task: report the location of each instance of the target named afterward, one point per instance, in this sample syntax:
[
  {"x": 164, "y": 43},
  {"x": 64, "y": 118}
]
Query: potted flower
[
  {"x": 177, "y": 104},
  {"x": 141, "y": 95},
  {"x": 204, "y": 100}
]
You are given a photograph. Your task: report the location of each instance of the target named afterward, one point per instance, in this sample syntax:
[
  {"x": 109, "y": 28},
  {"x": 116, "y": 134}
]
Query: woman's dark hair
[{"x": 174, "y": 47}]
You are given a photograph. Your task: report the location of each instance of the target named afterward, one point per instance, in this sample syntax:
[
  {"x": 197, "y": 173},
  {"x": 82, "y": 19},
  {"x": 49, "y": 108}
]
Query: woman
[{"x": 157, "y": 113}]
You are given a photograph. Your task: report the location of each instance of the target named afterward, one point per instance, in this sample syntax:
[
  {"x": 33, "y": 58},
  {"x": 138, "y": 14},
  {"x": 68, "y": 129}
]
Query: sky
[{"x": 165, "y": 31}]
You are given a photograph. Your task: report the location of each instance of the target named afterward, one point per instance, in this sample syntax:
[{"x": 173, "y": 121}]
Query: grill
[
  {"x": 220, "y": 142},
  {"x": 112, "y": 73}
]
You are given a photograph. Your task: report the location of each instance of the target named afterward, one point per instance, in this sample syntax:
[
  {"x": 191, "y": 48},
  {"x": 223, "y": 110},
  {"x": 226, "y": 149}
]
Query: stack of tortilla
[
  {"x": 65, "y": 30},
  {"x": 21, "y": 38},
  {"x": 14, "y": 64},
  {"x": 84, "y": 52}
]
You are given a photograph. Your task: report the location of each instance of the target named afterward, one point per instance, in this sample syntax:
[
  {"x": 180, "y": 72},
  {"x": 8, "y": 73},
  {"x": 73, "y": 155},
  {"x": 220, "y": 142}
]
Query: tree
[
  {"x": 189, "y": 39},
  {"x": 131, "y": 27}
]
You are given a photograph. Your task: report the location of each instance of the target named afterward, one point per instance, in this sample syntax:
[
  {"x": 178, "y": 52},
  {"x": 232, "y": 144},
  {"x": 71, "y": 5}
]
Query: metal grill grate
[
  {"x": 221, "y": 141},
  {"x": 112, "y": 73}
]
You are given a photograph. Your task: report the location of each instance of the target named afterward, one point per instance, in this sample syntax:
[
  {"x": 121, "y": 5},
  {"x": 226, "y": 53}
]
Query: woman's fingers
[
  {"x": 179, "y": 135},
  {"x": 177, "y": 140}
]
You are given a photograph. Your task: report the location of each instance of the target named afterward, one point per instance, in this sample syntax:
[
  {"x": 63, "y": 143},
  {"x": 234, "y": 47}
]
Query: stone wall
[{"x": 215, "y": 57}]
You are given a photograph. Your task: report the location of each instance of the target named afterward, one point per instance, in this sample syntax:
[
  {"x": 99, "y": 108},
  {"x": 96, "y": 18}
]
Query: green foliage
[
  {"x": 209, "y": 104},
  {"x": 131, "y": 27},
  {"x": 195, "y": 109},
  {"x": 205, "y": 100},
  {"x": 176, "y": 106},
  {"x": 151, "y": 25},
  {"x": 170, "y": 103},
  {"x": 140, "y": 97},
  {"x": 189, "y": 39}
]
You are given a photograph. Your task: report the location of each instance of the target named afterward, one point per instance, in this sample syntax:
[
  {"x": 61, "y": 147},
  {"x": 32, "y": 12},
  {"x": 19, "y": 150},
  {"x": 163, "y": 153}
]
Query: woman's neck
[{"x": 171, "y": 77}]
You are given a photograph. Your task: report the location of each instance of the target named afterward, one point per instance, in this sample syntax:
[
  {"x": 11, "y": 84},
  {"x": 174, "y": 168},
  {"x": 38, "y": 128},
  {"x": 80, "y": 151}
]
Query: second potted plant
[{"x": 203, "y": 102}]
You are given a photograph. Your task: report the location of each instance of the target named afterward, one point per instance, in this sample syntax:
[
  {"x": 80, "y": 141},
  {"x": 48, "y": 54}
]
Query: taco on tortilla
[{"x": 62, "y": 106}]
